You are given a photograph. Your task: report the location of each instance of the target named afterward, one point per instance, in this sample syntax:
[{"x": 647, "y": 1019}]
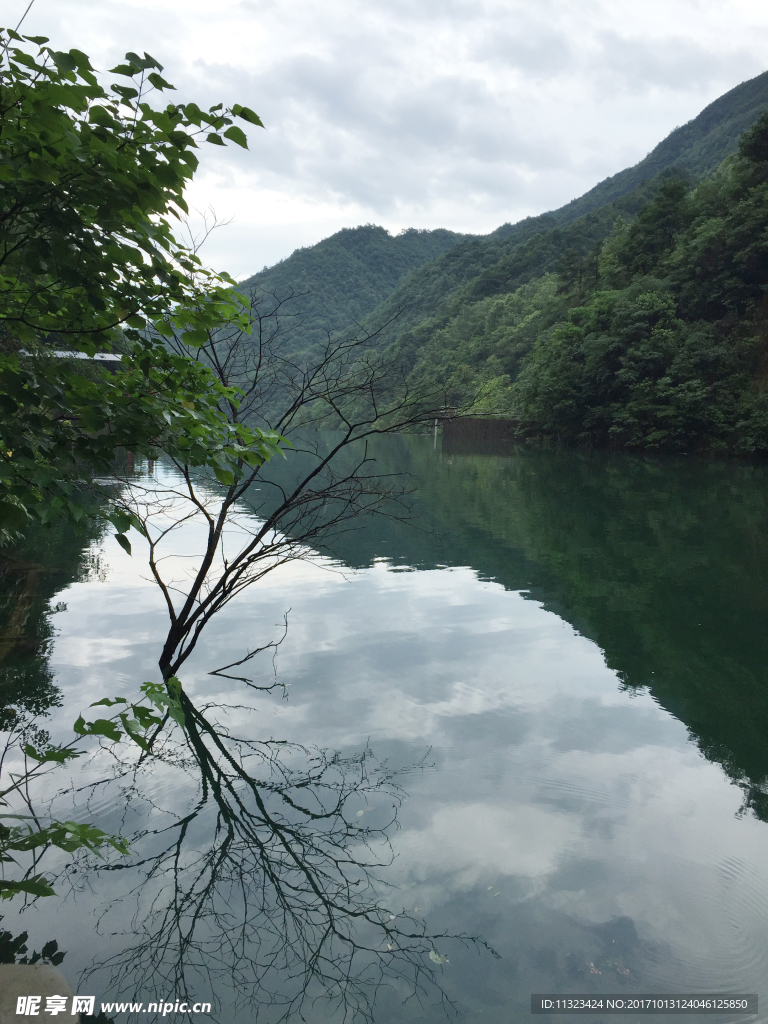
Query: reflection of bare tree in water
[
  {"x": 282, "y": 899},
  {"x": 283, "y": 904}
]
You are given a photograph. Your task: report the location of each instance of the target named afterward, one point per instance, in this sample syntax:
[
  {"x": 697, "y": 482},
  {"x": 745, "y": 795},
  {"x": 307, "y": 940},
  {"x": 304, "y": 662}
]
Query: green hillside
[
  {"x": 423, "y": 277},
  {"x": 334, "y": 284},
  {"x": 656, "y": 339},
  {"x": 478, "y": 267},
  {"x": 633, "y": 316},
  {"x": 697, "y": 147}
]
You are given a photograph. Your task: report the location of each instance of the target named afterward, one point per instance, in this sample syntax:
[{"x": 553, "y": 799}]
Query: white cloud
[
  {"x": 457, "y": 114},
  {"x": 474, "y": 842}
]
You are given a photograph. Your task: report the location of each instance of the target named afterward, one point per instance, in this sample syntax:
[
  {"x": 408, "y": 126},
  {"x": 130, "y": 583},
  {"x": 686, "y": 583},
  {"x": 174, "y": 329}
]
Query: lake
[{"x": 566, "y": 655}]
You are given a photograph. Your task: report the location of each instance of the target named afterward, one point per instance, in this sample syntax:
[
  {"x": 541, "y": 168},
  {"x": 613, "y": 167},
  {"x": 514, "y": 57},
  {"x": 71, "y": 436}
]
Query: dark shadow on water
[
  {"x": 477, "y": 437},
  {"x": 31, "y": 575},
  {"x": 662, "y": 562}
]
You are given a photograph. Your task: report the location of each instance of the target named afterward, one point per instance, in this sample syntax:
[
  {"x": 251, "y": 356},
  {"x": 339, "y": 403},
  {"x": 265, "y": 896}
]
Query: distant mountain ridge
[
  {"x": 365, "y": 275},
  {"x": 480, "y": 266},
  {"x": 334, "y": 284},
  {"x": 697, "y": 147}
]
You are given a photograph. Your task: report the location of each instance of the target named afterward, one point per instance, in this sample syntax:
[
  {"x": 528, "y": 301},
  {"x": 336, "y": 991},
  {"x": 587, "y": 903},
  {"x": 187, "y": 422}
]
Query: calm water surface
[{"x": 577, "y": 644}]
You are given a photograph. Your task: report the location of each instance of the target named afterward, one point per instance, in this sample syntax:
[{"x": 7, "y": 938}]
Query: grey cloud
[
  {"x": 358, "y": 121},
  {"x": 674, "y": 63},
  {"x": 431, "y": 111},
  {"x": 342, "y": 127},
  {"x": 537, "y": 52}
]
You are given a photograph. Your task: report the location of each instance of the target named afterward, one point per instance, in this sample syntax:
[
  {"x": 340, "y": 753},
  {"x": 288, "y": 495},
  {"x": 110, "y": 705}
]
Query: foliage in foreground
[
  {"x": 91, "y": 178},
  {"x": 90, "y": 181},
  {"x": 24, "y": 837}
]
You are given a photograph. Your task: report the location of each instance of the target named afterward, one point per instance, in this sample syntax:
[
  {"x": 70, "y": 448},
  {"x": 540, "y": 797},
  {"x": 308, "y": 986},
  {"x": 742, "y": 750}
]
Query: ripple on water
[{"x": 734, "y": 895}]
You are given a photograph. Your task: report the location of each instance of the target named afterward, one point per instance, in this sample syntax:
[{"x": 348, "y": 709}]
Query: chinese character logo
[
  {"x": 29, "y": 1006},
  {"x": 83, "y": 1004}
]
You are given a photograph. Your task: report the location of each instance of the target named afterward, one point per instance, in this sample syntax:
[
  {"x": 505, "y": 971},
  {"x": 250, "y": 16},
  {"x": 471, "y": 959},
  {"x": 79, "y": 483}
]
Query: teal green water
[{"x": 578, "y": 640}]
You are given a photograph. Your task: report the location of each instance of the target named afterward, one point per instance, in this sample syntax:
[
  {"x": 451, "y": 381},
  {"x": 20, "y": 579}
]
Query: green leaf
[
  {"x": 166, "y": 698},
  {"x": 224, "y": 476},
  {"x": 56, "y": 754},
  {"x": 100, "y": 116},
  {"x": 144, "y": 716},
  {"x": 64, "y": 61},
  {"x": 247, "y": 115},
  {"x": 120, "y": 520},
  {"x": 215, "y": 139},
  {"x": 123, "y": 520},
  {"x": 127, "y": 92},
  {"x": 132, "y": 728},
  {"x": 83, "y": 63},
  {"x": 158, "y": 82},
  {"x": 120, "y": 844},
  {"x": 101, "y": 727},
  {"x": 164, "y": 328},
  {"x": 195, "y": 337},
  {"x": 174, "y": 704},
  {"x": 123, "y": 541},
  {"x": 143, "y": 63},
  {"x": 34, "y": 886},
  {"x": 124, "y": 69},
  {"x": 237, "y": 135}
]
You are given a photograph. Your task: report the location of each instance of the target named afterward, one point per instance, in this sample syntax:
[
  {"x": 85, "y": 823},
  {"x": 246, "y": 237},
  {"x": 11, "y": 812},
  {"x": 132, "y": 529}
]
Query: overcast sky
[{"x": 426, "y": 113}]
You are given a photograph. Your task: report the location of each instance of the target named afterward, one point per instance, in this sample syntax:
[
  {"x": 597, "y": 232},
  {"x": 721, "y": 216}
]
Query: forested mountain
[
  {"x": 632, "y": 316},
  {"x": 332, "y": 285},
  {"x": 657, "y": 339},
  {"x": 697, "y": 147},
  {"x": 477, "y": 268},
  {"x": 516, "y": 253}
]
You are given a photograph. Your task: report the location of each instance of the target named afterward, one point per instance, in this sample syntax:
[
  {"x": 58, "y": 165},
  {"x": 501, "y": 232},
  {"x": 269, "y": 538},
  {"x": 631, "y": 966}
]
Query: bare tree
[
  {"x": 347, "y": 387},
  {"x": 285, "y": 897},
  {"x": 268, "y": 876}
]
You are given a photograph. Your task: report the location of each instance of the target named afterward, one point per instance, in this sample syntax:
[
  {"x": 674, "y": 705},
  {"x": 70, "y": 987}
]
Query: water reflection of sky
[{"x": 571, "y": 824}]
